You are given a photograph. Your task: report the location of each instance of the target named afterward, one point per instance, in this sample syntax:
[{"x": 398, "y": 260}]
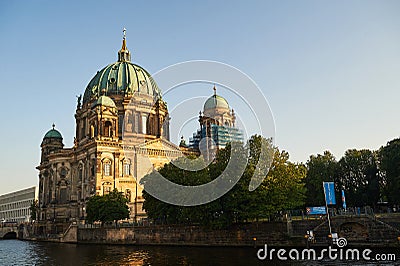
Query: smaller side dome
[
  {"x": 216, "y": 101},
  {"x": 53, "y": 134},
  {"x": 104, "y": 101}
]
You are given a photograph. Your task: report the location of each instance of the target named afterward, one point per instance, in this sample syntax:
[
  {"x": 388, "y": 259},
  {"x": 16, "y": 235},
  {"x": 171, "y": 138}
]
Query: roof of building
[
  {"x": 216, "y": 101},
  {"x": 53, "y": 134}
]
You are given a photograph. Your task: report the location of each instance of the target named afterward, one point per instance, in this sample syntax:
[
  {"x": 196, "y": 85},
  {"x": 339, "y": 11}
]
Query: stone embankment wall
[
  {"x": 357, "y": 230},
  {"x": 241, "y": 235}
]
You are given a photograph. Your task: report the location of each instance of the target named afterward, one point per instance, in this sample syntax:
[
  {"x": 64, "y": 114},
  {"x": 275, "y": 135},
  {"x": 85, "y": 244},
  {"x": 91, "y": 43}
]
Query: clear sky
[{"x": 329, "y": 69}]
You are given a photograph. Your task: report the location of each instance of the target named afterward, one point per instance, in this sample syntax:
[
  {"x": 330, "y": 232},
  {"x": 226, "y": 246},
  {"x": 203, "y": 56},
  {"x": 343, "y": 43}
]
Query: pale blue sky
[{"x": 329, "y": 69}]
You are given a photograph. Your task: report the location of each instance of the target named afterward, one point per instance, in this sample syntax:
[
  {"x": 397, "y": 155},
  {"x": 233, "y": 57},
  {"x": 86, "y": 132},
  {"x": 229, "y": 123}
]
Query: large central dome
[{"x": 122, "y": 78}]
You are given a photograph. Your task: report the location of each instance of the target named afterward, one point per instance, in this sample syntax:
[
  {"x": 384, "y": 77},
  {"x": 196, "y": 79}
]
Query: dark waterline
[{"x": 15, "y": 252}]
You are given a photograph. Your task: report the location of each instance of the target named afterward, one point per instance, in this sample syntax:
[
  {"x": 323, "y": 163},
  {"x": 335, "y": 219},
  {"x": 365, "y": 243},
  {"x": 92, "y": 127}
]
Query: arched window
[
  {"x": 130, "y": 122},
  {"x": 63, "y": 173},
  {"x": 136, "y": 123},
  {"x": 127, "y": 167},
  {"x": 107, "y": 190},
  {"x": 108, "y": 129},
  {"x": 92, "y": 169},
  {"x": 107, "y": 168},
  {"x": 63, "y": 195},
  {"x": 80, "y": 173},
  {"x": 92, "y": 131},
  {"x": 144, "y": 124},
  {"x": 165, "y": 130}
]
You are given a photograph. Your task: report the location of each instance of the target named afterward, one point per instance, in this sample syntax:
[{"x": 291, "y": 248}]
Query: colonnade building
[{"x": 15, "y": 206}]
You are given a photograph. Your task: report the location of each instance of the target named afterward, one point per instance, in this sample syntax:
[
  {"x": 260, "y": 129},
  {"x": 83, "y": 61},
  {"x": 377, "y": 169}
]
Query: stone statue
[{"x": 79, "y": 101}]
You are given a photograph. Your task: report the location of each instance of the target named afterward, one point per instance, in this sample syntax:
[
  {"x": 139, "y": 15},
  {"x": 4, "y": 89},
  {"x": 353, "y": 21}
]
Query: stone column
[{"x": 116, "y": 168}]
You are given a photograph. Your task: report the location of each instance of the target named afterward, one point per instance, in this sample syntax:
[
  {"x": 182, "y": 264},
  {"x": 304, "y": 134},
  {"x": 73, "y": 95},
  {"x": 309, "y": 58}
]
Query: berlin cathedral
[{"x": 122, "y": 134}]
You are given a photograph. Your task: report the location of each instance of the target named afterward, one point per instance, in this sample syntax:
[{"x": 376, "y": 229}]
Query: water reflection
[{"x": 15, "y": 252}]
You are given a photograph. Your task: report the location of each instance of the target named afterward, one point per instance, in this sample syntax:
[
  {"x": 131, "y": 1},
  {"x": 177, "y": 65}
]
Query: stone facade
[{"x": 122, "y": 134}]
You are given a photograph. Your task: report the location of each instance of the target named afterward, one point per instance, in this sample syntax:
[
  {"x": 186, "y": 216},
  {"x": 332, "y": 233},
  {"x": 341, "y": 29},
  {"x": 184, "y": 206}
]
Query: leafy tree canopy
[
  {"x": 107, "y": 208},
  {"x": 283, "y": 188},
  {"x": 389, "y": 157},
  {"x": 320, "y": 168},
  {"x": 358, "y": 176}
]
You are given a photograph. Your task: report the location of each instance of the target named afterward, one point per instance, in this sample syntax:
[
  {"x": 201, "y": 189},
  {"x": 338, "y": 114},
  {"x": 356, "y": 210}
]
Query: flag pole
[{"x": 327, "y": 211}]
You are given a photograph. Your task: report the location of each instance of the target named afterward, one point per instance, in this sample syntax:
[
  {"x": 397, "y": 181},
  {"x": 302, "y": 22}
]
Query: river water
[{"x": 16, "y": 252}]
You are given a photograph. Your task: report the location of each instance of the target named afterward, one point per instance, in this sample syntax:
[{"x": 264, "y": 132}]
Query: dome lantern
[{"x": 124, "y": 55}]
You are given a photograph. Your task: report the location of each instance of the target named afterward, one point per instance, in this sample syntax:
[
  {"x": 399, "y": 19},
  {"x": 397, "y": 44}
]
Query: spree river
[{"x": 16, "y": 252}]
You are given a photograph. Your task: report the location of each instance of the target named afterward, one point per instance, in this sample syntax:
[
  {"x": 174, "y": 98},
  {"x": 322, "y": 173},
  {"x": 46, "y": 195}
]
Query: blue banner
[
  {"x": 316, "y": 210},
  {"x": 329, "y": 190},
  {"x": 344, "y": 200}
]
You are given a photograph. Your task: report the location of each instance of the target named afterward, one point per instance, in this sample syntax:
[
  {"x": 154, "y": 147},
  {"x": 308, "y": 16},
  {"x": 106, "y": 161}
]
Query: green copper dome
[
  {"x": 53, "y": 134},
  {"x": 104, "y": 101},
  {"x": 216, "y": 101},
  {"x": 123, "y": 78}
]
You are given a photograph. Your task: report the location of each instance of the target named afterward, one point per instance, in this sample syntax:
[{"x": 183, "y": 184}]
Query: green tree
[
  {"x": 358, "y": 176},
  {"x": 107, "y": 208},
  {"x": 33, "y": 209},
  {"x": 162, "y": 212},
  {"x": 94, "y": 208},
  {"x": 283, "y": 188},
  {"x": 389, "y": 157},
  {"x": 320, "y": 168}
]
